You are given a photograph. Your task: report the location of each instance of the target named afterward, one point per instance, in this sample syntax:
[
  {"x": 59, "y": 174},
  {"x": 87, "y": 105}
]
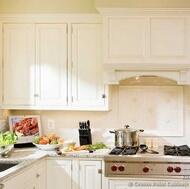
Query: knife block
[{"x": 85, "y": 136}]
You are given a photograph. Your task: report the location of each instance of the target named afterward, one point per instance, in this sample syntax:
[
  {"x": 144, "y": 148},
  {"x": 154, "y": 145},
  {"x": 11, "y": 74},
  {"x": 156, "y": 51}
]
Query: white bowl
[
  {"x": 68, "y": 144},
  {"x": 5, "y": 150},
  {"x": 48, "y": 146}
]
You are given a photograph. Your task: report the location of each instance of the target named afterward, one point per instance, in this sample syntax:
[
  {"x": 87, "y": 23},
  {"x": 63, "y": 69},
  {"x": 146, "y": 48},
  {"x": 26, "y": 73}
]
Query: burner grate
[
  {"x": 131, "y": 150},
  {"x": 182, "y": 150}
]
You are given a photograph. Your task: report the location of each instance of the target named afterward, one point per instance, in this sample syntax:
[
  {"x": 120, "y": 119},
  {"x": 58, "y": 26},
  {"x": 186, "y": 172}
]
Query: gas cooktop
[
  {"x": 182, "y": 150},
  {"x": 131, "y": 150}
]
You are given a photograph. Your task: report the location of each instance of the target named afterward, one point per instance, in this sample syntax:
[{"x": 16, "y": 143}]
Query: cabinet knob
[
  {"x": 1, "y": 186},
  {"x": 103, "y": 96},
  {"x": 100, "y": 171},
  {"x": 37, "y": 175}
]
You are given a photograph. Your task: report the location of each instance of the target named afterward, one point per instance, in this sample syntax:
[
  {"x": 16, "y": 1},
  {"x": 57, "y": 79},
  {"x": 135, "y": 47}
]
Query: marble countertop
[{"x": 28, "y": 156}]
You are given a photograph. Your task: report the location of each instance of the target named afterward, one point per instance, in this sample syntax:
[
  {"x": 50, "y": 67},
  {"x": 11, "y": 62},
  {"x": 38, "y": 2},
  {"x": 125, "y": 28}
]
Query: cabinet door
[
  {"x": 19, "y": 64},
  {"x": 59, "y": 174},
  {"x": 125, "y": 40},
  {"x": 51, "y": 59},
  {"x": 40, "y": 175},
  {"x": 90, "y": 175},
  {"x": 24, "y": 180},
  {"x": 87, "y": 73}
]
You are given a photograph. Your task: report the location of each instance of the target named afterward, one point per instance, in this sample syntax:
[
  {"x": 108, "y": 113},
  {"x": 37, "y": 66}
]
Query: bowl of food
[
  {"x": 50, "y": 142},
  {"x": 6, "y": 150},
  {"x": 7, "y": 141},
  {"x": 69, "y": 143},
  {"x": 48, "y": 146}
]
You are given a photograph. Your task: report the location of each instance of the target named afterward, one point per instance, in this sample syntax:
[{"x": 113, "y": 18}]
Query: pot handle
[{"x": 112, "y": 131}]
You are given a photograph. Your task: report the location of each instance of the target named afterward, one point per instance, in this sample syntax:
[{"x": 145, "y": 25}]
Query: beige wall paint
[
  {"x": 142, "y": 3},
  {"x": 79, "y": 6},
  {"x": 46, "y": 6}
]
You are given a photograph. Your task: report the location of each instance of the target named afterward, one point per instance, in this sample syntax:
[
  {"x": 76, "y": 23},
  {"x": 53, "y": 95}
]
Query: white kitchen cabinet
[
  {"x": 19, "y": 65},
  {"x": 35, "y": 83},
  {"x": 88, "y": 89},
  {"x": 59, "y": 175},
  {"x": 40, "y": 174},
  {"x": 146, "y": 39},
  {"x": 84, "y": 174},
  {"x": 32, "y": 178},
  {"x": 24, "y": 180},
  {"x": 51, "y": 62},
  {"x": 90, "y": 175},
  {"x": 53, "y": 65}
]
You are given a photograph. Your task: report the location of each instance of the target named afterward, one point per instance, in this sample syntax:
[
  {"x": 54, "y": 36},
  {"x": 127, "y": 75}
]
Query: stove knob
[
  {"x": 114, "y": 168},
  {"x": 170, "y": 169},
  {"x": 177, "y": 169},
  {"x": 121, "y": 168},
  {"x": 145, "y": 169}
]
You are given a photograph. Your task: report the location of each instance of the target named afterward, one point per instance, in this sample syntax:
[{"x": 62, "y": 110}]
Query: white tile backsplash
[{"x": 66, "y": 122}]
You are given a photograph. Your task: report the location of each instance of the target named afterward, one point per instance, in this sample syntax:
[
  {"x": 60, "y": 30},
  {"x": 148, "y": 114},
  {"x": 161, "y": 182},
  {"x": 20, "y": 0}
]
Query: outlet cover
[{"x": 51, "y": 124}]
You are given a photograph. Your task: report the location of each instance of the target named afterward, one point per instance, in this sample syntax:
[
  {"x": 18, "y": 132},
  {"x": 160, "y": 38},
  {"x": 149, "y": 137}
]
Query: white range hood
[
  {"x": 146, "y": 42},
  {"x": 181, "y": 77}
]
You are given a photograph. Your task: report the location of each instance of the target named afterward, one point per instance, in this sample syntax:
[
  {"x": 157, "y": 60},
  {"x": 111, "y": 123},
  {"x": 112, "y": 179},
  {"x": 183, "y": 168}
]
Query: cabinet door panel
[
  {"x": 59, "y": 174},
  {"x": 87, "y": 74},
  {"x": 41, "y": 175},
  {"x": 125, "y": 39},
  {"x": 51, "y": 58},
  {"x": 89, "y": 176},
  {"x": 19, "y": 65}
]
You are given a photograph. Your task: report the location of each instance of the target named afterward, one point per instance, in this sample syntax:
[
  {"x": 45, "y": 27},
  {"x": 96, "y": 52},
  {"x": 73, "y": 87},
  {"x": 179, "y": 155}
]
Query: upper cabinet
[
  {"x": 35, "y": 65},
  {"x": 151, "y": 40},
  {"x": 53, "y": 65},
  {"x": 146, "y": 41},
  {"x": 19, "y": 64},
  {"x": 87, "y": 68},
  {"x": 51, "y": 62}
]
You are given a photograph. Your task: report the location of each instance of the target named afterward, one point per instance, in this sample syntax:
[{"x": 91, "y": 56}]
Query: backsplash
[{"x": 67, "y": 122}]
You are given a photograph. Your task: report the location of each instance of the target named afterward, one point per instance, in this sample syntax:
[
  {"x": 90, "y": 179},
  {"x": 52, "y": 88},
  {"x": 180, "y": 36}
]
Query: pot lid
[{"x": 126, "y": 129}]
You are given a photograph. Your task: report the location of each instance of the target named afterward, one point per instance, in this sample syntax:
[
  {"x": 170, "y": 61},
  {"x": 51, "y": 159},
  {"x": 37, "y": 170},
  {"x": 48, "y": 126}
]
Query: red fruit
[{"x": 41, "y": 141}]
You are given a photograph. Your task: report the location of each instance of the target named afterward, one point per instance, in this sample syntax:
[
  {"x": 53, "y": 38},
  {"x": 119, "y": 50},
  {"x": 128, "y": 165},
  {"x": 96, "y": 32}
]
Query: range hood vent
[{"x": 181, "y": 77}]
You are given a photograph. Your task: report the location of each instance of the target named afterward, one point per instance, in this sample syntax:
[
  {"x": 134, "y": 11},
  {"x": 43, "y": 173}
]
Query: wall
[
  {"x": 47, "y": 6},
  {"x": 142, "y": 3},
  {"x": 79, "y": 6}
]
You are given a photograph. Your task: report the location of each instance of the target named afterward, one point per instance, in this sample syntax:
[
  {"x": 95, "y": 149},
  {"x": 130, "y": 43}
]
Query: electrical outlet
[{"x": 51, "y": 124}]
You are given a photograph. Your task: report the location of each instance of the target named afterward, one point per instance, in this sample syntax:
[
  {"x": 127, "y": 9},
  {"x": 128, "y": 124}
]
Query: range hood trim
[{"x": 182, "y": 77}]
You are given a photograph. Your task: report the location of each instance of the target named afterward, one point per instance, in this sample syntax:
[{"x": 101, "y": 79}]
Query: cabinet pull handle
[
  {"x": 103, "y": 96},
  {"x": 100, "y": 171},
  {"x": 36, "y": 95},
  {"x": 1, "y": 186}
]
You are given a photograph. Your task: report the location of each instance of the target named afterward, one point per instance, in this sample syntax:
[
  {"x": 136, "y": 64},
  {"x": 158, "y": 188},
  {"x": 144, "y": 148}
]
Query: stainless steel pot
[{"x": 126, "y": 136}]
